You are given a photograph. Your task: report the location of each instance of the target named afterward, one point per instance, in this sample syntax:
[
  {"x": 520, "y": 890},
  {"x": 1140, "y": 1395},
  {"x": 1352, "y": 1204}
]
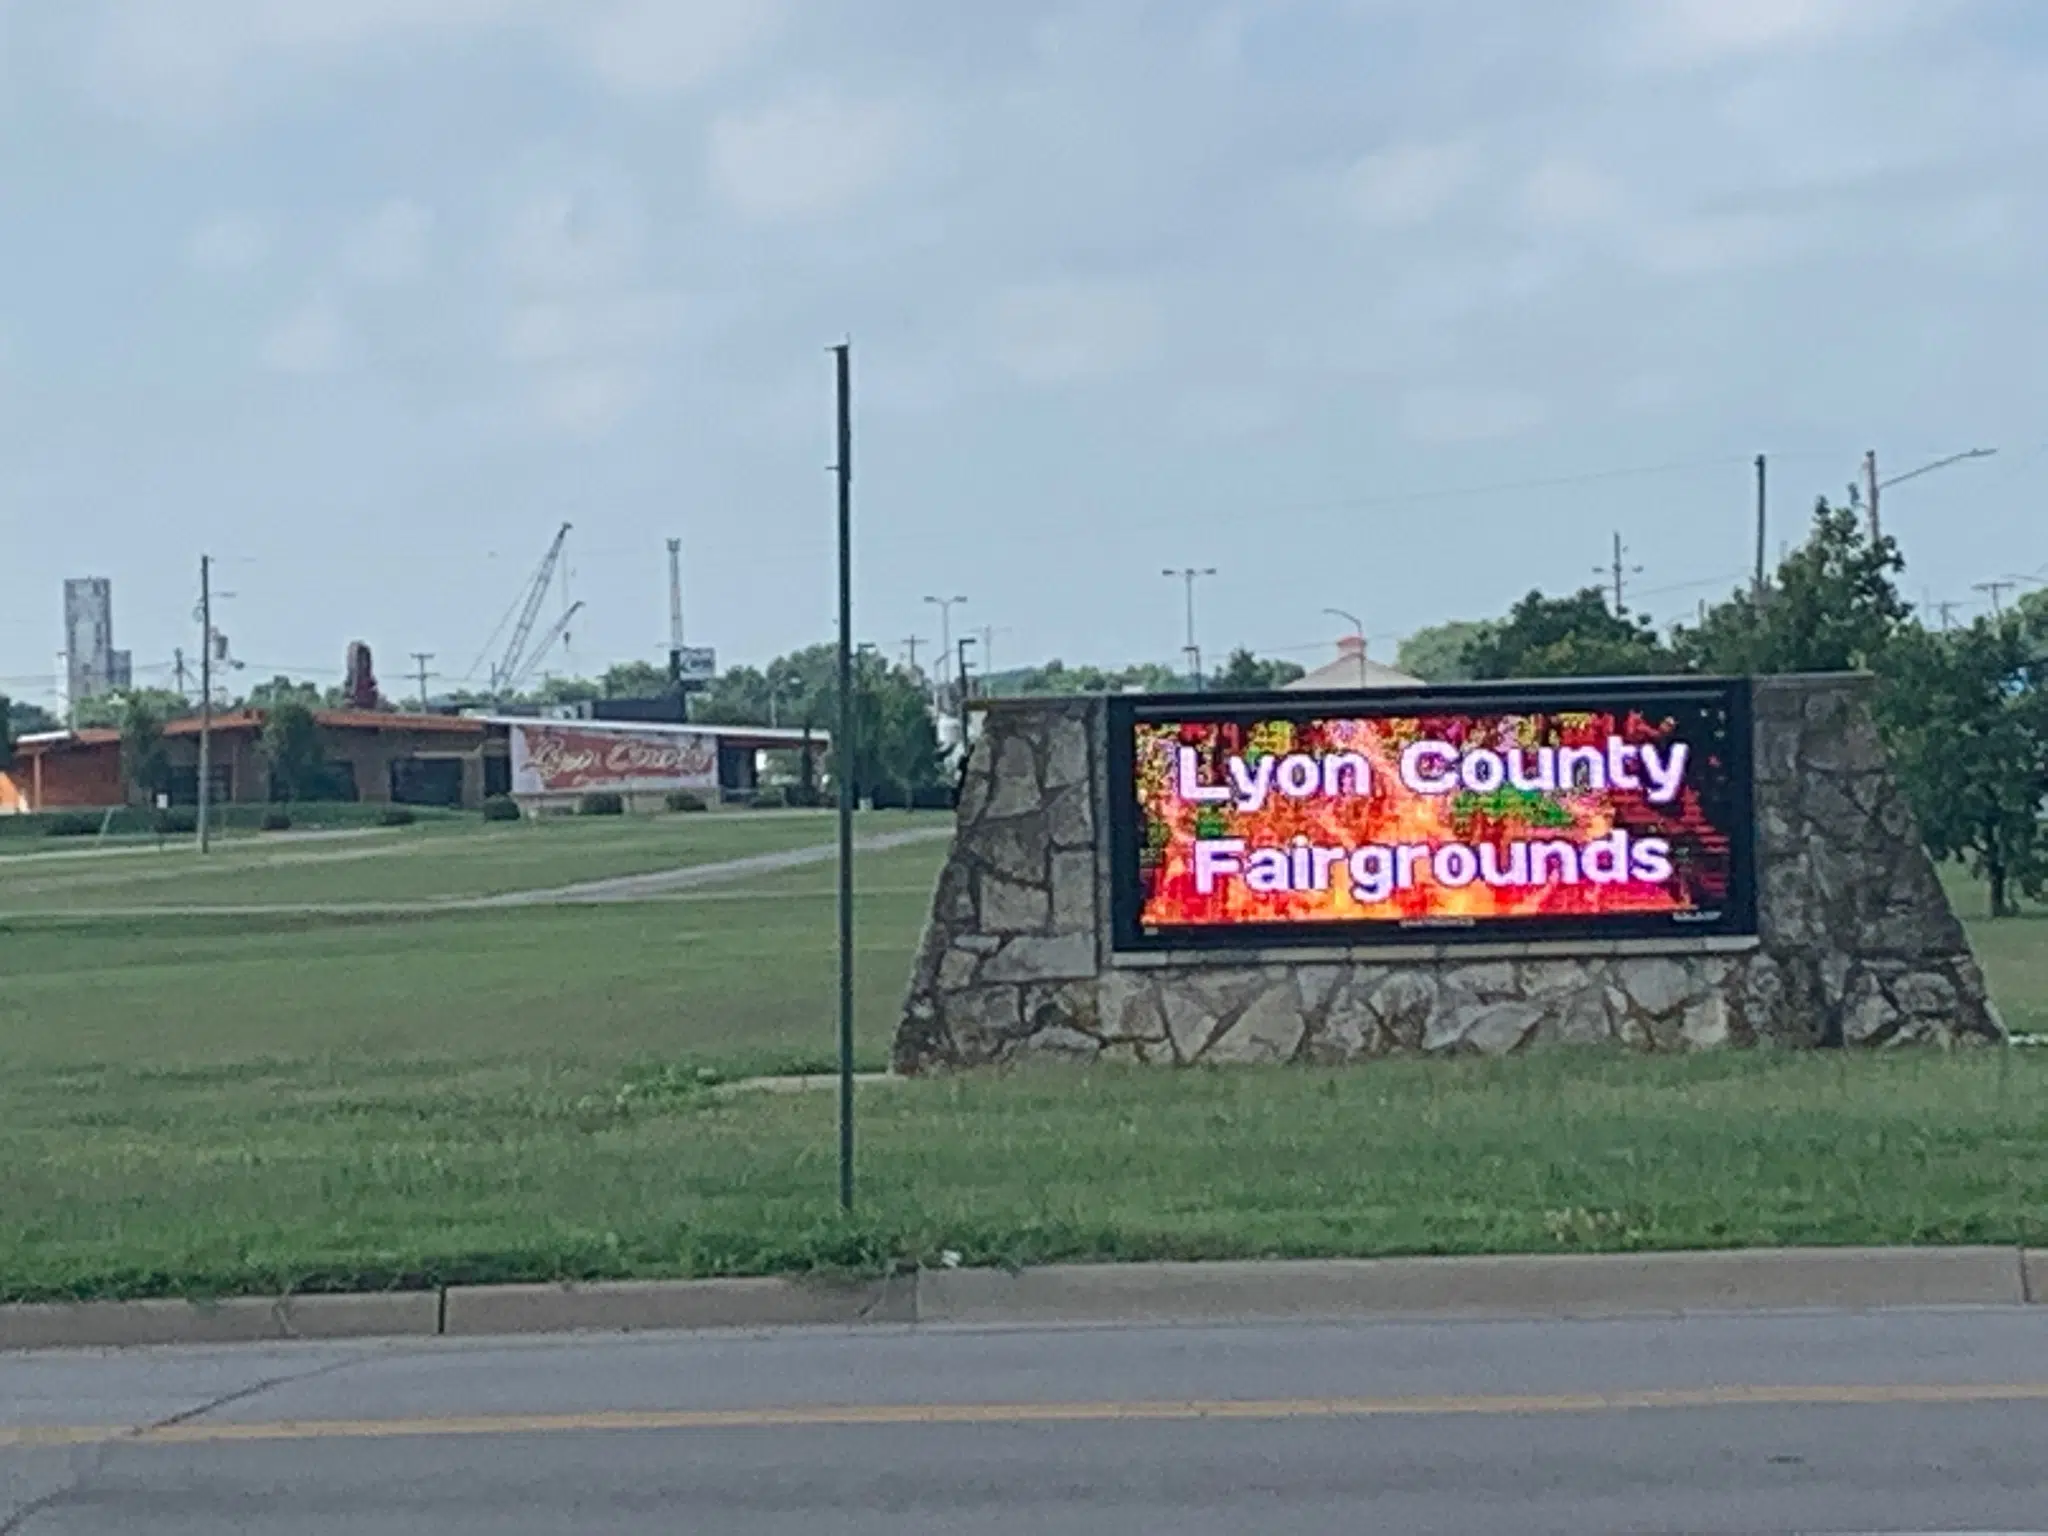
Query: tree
[
  {"x": 291, "y": 745},
  {"x": 1253, "y": 674},
  {"x": 1966, "y": 716},
  {"x": 282, "y": 690},
  {"x": 1437, "y": 653},
  {"x": 1572, "y": 636},
  {"x": 27, "y": 719},
  {"x": 907, "y": 742},
  {"x": 634, "y": 680},
  {"x": 108, "y": 711},
  {"x": 6, "y": 733},
  {"x": 145, "y": 766},
  {"x": 1833, "y": 606}
]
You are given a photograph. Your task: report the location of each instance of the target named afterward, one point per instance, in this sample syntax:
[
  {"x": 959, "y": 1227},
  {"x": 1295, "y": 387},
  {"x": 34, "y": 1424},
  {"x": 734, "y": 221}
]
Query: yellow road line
[{"x": 211, "y": 1432}]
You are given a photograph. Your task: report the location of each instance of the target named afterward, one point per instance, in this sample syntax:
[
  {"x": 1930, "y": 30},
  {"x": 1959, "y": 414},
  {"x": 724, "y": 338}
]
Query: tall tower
[{"x": 92, "y": 666}]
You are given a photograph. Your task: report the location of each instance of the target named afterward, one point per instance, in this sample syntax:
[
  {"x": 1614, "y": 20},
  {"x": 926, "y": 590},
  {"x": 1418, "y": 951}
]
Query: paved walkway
[{"x": 617, "y": 889}]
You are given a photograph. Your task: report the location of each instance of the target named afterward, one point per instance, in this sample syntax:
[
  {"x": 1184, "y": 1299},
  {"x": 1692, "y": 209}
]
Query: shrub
[
  {"x": 74, "y": 824},
  {"x": 771, "y": 799},
  {"x": 276, "y": 819},
  {"x": 396, "y": 816},
  {"x": 501, "y": 808},
  {"x": 174, "y": 823},
  {"x": 602, "y": 802},
  {"x": 684, "y": 800}
]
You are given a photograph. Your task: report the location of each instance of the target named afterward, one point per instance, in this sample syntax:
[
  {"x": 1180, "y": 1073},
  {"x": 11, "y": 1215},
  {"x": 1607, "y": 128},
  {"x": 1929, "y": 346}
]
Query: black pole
[
  {"x": 1758, "y": 589},
  {"x": 960, "y": 684},
  {"x": 845, "y": 756}
]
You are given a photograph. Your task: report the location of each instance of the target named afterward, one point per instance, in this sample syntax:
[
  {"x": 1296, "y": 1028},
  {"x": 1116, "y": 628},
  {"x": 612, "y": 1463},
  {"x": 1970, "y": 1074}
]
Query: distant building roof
[{"x": 1351, "y": 670}]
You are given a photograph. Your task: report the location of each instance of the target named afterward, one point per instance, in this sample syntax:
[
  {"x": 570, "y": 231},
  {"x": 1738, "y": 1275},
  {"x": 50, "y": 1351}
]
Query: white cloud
[
  {"x": 658, "y": 47},
  {"x": 1561, "y": 192},
  {"x": 806, "y": 157},
  {"x": 609, "y": 326},
  {"x": 1468, "y": 416},
  {"x": 1691, "y": 33},
  {"x": 1715, "y": 244},
  {"x": 1407, "y": 185},
  {"x": 310, "y": 340},
  {"x": 587, "y": 232},
  {"x": 229, "y": 246},
  {"x": 390, "y": 247},
  {"x": 587, "y": 402},
  {"x": 190, "y": 60},
  {"x": 1053, "y": 333}
]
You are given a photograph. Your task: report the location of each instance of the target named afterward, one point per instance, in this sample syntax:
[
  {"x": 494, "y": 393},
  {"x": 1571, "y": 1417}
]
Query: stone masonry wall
[{"x": 1857, "y": 943}]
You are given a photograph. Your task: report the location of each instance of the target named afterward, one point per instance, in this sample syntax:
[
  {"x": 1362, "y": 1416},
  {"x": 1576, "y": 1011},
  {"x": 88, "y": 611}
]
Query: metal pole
[
  {"x": 423, "y": 657},
  {"x": 1758, "y": 589},
  {"x": 1870, "y": 482},
  {"x": 845, "y": 755},
  {"x": 960, "y": 687},
  {"x": 205, "y": 697}
]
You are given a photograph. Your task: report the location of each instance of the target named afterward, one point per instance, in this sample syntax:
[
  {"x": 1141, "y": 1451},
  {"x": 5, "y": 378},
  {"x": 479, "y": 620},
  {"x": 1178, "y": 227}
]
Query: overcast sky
[{"x": 365, "y": 297}]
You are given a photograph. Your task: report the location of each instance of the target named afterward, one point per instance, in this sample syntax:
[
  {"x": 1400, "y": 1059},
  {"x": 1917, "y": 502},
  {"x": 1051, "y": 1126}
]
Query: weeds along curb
[{"x": 1599, "y": 1285}]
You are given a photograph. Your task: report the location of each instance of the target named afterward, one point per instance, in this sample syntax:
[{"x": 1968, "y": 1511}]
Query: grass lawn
[
  {"x": 194, "y": 1104},
  {"x": 414, "y": 864}
]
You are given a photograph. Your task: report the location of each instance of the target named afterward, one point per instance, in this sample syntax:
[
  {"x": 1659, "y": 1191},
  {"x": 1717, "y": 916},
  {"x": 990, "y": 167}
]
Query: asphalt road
[{"x": 1902, "y": 1421}]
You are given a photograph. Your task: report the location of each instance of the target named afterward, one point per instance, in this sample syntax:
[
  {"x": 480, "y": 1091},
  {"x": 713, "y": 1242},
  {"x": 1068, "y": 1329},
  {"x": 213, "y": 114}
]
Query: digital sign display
[{"x": 1599, "y": 810}]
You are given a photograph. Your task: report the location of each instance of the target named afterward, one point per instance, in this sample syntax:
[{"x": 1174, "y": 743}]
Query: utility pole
[
  {"x": 178, "y": 667},
  {"x": 910, "y": 645},
  {"x": 1997, "y": 590},
  {"x": 961, "y": 688},
  {"x": 675, "y": 613},
  {"x": 423, "y": 657},
  {"x": 1190, "y": 575},
  {"x": 1870, "y": 490},
  {"x": 1618, "y": 572},
  {"x": 1758, "y": 589},
  {"x": 1947, "y": 612},
  {"x": 205, "y": 697},
  {"x": 843, "y": 751}
]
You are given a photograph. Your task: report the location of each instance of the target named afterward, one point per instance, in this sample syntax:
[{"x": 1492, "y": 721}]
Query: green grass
[
  {"x": 194, "y": 1105},
  {"x": 133, "y": 827},
  {"x": 373, "y": 1173},
  {"x": 414, "y": 864}
]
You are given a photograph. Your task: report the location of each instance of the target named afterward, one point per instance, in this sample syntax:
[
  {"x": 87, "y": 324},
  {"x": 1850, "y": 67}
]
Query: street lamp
[
  {"x": 945, "y": 605},
  {"x": 1190, "y": 575},
  {"x": 1358, "y": 629},
  {"x": 1873, "y": 485}
]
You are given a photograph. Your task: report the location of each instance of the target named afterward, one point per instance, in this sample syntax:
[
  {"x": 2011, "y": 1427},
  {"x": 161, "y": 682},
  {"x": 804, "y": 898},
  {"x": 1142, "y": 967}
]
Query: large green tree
[
  {"x": 1438, "y": 652},
  {"x": 1575, "y": 636},
  {"x": 109, "y": 710},
  {"x": 1966, "y": 717},
  {"x": 27, "y": 718},
  {"x": 145, "y": 766},
  {"x": 1250, "y": 673},
  {"x": 282, "y": 690},
  {"x": 291, "y": 746},
  {"x": 1832, "y": 606}
]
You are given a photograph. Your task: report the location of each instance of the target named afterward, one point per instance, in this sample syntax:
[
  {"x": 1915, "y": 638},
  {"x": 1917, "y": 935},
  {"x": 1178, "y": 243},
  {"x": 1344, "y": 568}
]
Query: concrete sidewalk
[{"x": 1497, "y": 1286}]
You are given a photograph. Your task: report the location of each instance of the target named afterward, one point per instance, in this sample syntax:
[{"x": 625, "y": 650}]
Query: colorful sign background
[
  {"x": 1696, "y": 830},
  {"x": 550, "y": 758}
]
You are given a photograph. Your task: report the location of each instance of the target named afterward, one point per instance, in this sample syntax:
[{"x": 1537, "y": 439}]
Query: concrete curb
[
  {"x": 235, "y": 1320},
  {"x": 1508, "y": 1285},
  {"x": 633, "y": 1305}
]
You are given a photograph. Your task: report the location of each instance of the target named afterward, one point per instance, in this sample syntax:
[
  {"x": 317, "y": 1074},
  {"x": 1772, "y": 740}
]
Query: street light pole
[
  {"x": 960, "y": 687},
  {"x": 205, "y": 697},
  {"x": 1873, "y": 485},
  {"x": 1357, "y": 628},
  {"x": 844, "y": 753},
  {"x": 1190, "y": 575},
  {"x": 945, "y": 606}
]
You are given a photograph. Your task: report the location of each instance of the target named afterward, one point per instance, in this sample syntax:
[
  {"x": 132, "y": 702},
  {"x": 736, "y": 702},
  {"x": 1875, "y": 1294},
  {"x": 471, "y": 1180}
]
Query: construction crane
[
  {"x": 515, "y": 662},
  {"x": 555, "y": 632}
]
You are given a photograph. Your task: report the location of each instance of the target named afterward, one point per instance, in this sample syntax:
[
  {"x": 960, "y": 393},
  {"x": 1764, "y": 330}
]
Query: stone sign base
[{"x": 1857, "y": 943}]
